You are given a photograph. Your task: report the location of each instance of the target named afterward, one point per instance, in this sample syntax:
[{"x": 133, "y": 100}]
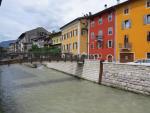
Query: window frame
[
  {"x": 110, "y": 15},
  {"x": 109, "y": 43},
  {"x": 147, "y": 3},
  {"x": 101, "y": 21},
  {"x": 148, "y": 36},
  {"x": 92, "y": 35},
  {"x": 109, "y": 30},
  {"x": 92, "y": 23},
  {"x": 148, "y": 55},
  {"x": 99, "y": 43},
  {"x": 125, "y": 9},
  {"x": 124, "y": 24},
  {"x": 92, "y": 46}
]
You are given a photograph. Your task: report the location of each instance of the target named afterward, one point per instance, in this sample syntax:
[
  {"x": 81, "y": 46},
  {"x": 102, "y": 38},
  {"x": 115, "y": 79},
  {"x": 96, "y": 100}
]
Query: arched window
[{"x": 110, "y": 58}]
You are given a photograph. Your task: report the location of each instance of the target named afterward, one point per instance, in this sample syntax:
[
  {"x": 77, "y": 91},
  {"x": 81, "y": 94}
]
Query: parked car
[{"x": 141, "y": 62}]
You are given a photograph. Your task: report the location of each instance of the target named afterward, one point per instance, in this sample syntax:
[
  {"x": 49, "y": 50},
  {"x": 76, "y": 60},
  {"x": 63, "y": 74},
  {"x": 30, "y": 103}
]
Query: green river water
[{"x": 42, "y": 90}]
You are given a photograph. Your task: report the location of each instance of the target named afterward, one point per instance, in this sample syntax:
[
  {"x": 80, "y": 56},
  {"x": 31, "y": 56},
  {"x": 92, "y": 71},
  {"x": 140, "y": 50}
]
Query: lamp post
[{"x": 0, "y": 2}]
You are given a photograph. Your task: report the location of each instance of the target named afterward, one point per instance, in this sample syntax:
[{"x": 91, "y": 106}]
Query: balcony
[
  {"x": 125, "y": 47},
  {"x": 99, "y": 38}
]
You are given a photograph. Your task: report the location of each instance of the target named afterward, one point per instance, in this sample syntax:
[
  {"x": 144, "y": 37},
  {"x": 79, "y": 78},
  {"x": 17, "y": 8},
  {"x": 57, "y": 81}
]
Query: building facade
[
  {"x": 133, "y": 30},
  {"x": 102, "y": 35},
  {"x": 36, "y": 36},
  {"x": 75, "y": 37},
  {"x": 56, "y": 39},
  {"x": 11, "y": 48}
]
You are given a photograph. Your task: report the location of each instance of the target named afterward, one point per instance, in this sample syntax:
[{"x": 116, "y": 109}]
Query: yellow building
[
  {"x": 75, "y": 37},
  {"x": 56, "y": 39},
  {"x": 133, "y": 30}
]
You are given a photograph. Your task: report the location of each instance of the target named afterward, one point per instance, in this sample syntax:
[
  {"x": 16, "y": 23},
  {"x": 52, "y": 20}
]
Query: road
[{"x": 42, "y": 90}]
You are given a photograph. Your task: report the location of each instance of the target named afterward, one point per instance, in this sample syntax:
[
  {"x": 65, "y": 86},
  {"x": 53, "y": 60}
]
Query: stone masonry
[{"x": 134, "y": 78}]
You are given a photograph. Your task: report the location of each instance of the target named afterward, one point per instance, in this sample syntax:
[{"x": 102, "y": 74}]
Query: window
[
  {"x": 83, "y": 32},
  {"x": 70, "y": 47},
  {"x": 92, "y": 35},
  {"x": 148, "y": 55},
  {"x": 148, "y": 3},
  {"x": 76, "y": 32},
  {"x": 100, "y": 21},
  {"x": 110, "y": 17},
  {"x": 68, "y": 35},
  {"x": 148, "y": 36},
  {"x": 99, "y": 44},
  {"x": 62, "y": 37},
  {"x": 110, "y": 31},
  {"x": 147, "y": 19},
  {"x": 126, "y": 24},
  {"x": 73, "y": 33},
  {"x": 100, "y": 33},
  {"x": 126, "y": 41},
  {"x": 67, "y": 47},
  {"x": 126, "y": 10},
  {"x": 76, "y": 45},
  {"x": 92, "y": 24},
  {"x": 92, "y": 46},
  {"x": 73, "y": 46},
  {"x": 64, "y": 47},
  {"x": 109, "y": 44}
]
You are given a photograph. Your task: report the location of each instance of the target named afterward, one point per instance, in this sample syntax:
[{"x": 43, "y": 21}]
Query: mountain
[{"x": 5, "y": 44}]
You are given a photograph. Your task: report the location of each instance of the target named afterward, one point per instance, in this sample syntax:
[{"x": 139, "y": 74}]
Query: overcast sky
[{"x": 17, "y": 16}]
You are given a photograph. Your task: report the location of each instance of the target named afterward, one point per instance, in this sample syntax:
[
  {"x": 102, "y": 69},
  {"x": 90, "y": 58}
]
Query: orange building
[{"x": 133, "y": 30}]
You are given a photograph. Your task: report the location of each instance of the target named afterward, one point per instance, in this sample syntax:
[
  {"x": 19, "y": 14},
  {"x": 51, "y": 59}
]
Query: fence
[{"x": 13, "y": 58}]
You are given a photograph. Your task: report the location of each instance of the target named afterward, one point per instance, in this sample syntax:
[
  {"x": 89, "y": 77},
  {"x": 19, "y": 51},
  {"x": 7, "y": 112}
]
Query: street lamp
[{"x": 0, "y": 2}]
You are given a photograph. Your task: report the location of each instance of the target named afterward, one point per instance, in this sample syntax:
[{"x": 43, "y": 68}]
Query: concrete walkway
[{"x": 42, "y": 90}]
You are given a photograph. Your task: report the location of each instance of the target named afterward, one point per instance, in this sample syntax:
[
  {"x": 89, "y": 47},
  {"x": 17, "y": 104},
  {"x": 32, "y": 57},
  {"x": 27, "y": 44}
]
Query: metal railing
[{"x": 125, "y": 46}]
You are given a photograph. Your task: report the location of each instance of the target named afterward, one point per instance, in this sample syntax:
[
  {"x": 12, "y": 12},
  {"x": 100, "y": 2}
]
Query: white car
[{"x": 141, "y": 62}]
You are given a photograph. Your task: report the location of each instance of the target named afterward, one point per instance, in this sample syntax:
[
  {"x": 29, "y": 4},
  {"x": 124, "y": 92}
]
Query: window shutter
[
  {"x": 145, "y": 19},
  {"x": 123, "y": 24},
  {"x": 130, "y": 23}
]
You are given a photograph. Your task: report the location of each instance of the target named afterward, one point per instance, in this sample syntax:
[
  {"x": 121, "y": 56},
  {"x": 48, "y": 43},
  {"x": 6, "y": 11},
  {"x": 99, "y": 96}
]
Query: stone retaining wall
[
  {"x": 129, "y": 77},
  {"x": 124, "y": 76}
]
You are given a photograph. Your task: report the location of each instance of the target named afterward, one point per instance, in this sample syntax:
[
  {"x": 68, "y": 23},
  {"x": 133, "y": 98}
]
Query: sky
[{"x": 18, "y": 16}]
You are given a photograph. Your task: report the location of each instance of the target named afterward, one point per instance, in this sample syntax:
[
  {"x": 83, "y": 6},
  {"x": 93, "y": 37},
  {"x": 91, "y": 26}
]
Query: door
[{"x": 126, "y": 57}]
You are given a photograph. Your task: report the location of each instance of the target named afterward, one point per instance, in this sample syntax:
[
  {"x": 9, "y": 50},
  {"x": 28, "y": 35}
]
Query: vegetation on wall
[{"x": 45, "y": 50}]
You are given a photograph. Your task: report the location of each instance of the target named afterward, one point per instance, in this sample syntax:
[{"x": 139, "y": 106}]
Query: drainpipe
[
  {"x": 88, "y": 39},
  {"x": 79, "y": 36}
]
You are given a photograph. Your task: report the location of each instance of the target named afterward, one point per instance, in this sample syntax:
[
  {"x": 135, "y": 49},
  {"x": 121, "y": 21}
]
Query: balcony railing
[
  {"x": 126, "y": 46},
  {"x": 99, "y": 38}
]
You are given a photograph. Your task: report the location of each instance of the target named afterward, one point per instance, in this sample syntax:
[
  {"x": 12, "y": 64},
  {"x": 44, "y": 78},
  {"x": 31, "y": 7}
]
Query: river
[{"x": 42, "y": 90}]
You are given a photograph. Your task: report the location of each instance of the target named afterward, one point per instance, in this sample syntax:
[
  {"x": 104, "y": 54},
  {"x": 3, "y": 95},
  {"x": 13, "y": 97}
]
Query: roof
[
  {"x": 79, "y": 18},
  {"x": 22, "y": 35},
  {"x": 109, "y": 9},
  {"x": 55, "y": 33}
]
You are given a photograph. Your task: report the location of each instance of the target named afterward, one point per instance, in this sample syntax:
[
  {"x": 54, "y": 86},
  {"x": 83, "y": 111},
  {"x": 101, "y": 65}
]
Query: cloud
[{"x": 18, "y": 16}]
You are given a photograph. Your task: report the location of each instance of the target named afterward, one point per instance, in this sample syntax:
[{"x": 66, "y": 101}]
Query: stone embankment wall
[
  {"x": 124, "y": 76},
  {"x": 134, "y": 78},
  {"x": 89, "y": 70}
]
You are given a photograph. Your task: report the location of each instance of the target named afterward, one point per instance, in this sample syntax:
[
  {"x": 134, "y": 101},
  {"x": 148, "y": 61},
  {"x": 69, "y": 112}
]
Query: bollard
[{"x": 101, "y": 72}]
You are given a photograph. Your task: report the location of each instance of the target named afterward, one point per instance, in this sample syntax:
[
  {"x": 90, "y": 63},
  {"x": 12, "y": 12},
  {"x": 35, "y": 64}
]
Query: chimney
[
  {"x": 105, "y": 6},
  {"x": 90, "y": 13},
  {"x": 118, "y": 1}
]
